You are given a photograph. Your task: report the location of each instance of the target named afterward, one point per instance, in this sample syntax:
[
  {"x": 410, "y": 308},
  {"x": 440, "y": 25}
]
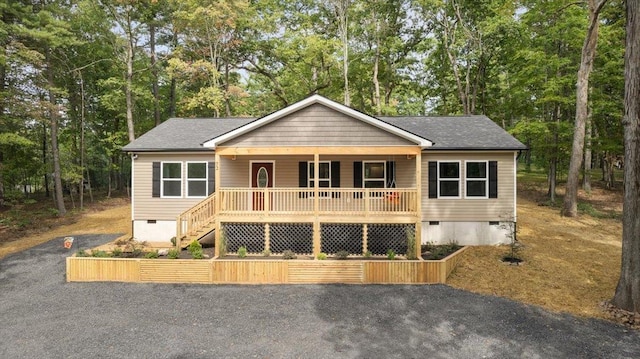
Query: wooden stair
[{"x": 196, "y": 222}]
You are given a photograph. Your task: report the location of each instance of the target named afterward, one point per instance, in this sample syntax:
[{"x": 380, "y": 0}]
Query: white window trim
[
  {"x": 310, "y": 178},
  {"x": 162, "y": 179},
  {"x": 486, "y": 180},
  {"x": 459, "y": 179},
  {"x": 364, "y": 178},
  {"x": 205, "y": 179}
]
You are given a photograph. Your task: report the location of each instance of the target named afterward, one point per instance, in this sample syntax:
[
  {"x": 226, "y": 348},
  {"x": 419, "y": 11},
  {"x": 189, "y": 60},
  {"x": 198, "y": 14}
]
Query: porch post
[
  {"x": 217, "y": 205},
  {"x": 419, "y": 205},
  {"x": 316, "y": 205}
]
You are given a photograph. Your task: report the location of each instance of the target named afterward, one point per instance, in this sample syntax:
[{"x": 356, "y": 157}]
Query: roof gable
[{"x": 318, "y": 100}]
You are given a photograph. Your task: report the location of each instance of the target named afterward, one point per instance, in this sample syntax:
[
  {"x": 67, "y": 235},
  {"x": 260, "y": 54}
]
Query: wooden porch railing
[
  {"x": 196, "y": 218},
  {"x": 332, "y": 201}
]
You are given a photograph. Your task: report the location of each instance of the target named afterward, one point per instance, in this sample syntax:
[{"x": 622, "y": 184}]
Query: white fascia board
[{"x": 324, "y": 101}]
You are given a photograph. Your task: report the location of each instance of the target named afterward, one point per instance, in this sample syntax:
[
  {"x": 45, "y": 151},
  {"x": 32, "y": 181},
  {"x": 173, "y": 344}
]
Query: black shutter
[
  {"x": 155, "y": 181},
  {"x": 391, "y": 174},
  {"x": 303, "y": 178},
  {"x": 493, "y": 179},
  {"x": 211, "y": 177},
  {"x": 433, "y": 179},
  {"x": 357, "y": 178},
  {"x": 335, "y": 177}
]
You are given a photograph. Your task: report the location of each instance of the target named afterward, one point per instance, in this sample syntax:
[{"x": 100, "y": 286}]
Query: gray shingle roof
[
  {"x": 458, "y": 132},
  {"x": 447, "y": 133},
  {"x": 184, "y": 134}
]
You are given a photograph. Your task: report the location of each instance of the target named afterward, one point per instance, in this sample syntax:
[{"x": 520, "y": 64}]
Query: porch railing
[{"x": 332, "y": 201}]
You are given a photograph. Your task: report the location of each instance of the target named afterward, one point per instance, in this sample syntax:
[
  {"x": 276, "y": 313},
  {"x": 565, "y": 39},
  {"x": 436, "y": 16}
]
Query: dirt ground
[{"x": 570, "y": 264}]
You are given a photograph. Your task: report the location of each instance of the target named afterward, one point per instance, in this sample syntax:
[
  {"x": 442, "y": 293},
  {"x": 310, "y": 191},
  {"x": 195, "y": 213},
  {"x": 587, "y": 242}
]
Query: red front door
[{"x": 261, "y": 177}]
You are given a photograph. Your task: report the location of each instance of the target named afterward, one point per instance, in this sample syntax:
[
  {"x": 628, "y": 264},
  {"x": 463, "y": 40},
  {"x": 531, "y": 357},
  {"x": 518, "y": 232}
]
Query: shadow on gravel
[{"x": 442, "y": 322}]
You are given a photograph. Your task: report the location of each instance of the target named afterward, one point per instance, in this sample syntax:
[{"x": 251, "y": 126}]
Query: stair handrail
[{"x": 195, "y": 218}]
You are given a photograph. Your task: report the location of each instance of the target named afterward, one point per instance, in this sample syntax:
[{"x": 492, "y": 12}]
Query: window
[
  {"x": 449, "y": 179},
  {"x": 197, "y": 179},
  {"x": 477, "y": 181},
  {"x": 374, "y": 174},
  {"x": 324, "y": 176},
  {"x": 171, "y": 179}
]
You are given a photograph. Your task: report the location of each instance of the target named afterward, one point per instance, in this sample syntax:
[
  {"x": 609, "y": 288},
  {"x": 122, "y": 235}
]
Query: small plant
[
  {"x": 152, "y": 255},
  {"x": 82, "y": 253},
  {"x": 391, "y": 254},
  {"x": 197, "y": 254},
  {"x": 513, "y": 257},
  {"x": 194, "y": 247},
  {"x": 173, "y": 253},
  {"x": 116, "y": 252},
  {"x": 173, "y": 241},
  {"x": 223, "y": 244},
  {"x": 342, "y": 255},
  {"x": 411, "y": 243},
  {"x": 288, "y": 254},
  {"x": 322, "y": 256},
  {"x": 242, "y": 252},
  {"x": 99, "y": 254},
  {"x": 266, "y": 253}
]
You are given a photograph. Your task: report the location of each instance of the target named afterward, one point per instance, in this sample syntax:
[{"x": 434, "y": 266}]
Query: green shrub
[
  {"x": 194, "y": 246},
  {"x": 152, "y": 255},
  {"x": 82, "y": 253},
  {"x": 223, "y": 244},
  {"x": 266, "y": 253},
  {"x": 322, "y": 256},
  {"x": 342, "y": 255},
  {"x": 99, "y": 254},
  {"x": 173, "y": 253},
  {"x": 288, "y": 255},
  {"x": 242, "y": 252},
  {"x": 197, "y": 254},
  {"x": 116, "y": 252},
  {"x": 391, "y": 255},
  {"x": 367, "y": 254},
  {"x": 411, "y": 244}
]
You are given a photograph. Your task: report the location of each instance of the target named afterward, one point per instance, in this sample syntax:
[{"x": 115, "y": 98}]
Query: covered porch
[{"x": 325, "y": 213}]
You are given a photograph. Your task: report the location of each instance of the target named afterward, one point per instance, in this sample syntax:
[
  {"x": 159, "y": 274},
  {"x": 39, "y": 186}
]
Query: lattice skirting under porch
[{"x": 355, "y": 238}]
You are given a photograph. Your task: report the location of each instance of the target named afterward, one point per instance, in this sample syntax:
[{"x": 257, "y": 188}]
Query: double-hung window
[
  {"x": 374, "y": 174},
  {"x": 449, "y": 179},
  {"x": 197, "y": 179},
  {"x": 324, "y": 175},
  {"x": 171, "y": 179},
  {"x": 477, "y": 179}
]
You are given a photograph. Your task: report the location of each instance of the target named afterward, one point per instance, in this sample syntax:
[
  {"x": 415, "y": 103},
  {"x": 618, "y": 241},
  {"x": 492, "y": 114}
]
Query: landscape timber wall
[{"x": 260, "y": 271}]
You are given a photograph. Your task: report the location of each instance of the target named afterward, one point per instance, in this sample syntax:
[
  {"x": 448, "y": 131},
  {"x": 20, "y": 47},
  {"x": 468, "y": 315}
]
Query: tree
[
  {"x": 627, "y": 294},
  {"x": 582, "y": 96}
]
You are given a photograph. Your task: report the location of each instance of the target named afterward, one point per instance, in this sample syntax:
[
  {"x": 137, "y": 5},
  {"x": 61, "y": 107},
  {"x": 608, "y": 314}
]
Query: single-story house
[{"x": 318, "y": 176}]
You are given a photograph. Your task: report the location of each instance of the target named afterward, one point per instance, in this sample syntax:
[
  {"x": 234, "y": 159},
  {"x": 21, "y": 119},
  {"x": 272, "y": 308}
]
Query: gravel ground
[{"x": 42, "y": 316}]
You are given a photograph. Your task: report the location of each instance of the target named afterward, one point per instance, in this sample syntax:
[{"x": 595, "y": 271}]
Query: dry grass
[
  {"x": 571, "y": 264},
  {"x": 116, "y": 218}
]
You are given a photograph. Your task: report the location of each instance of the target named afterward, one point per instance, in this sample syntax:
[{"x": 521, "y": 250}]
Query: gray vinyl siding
[
  {"x": 317, "y": 125},
  {"x": 470, "y": 210},
  {"x": 146, "y": 207},
  {"x": 235, "y": 173}
]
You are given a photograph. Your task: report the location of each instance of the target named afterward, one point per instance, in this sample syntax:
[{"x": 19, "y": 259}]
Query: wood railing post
[
  {"x": 266, "y": 202},
  {"x": 367, "y": 208},
  {"x": 365, "y": 238}
]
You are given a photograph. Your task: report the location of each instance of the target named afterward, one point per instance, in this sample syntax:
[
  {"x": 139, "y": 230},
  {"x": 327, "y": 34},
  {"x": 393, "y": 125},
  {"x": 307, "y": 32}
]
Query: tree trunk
[
  {"x": 129, "y": 83},
  {"x": 376, "y": 68},
  {"x": 154, "y": 74},
  {"x": 55, "y": 153},
  {"x": 586, "y": 176},
  {"x": 627, "y": 294},
  {"x": 570, "y": 207},
  {"x": 553, "y": 173}
]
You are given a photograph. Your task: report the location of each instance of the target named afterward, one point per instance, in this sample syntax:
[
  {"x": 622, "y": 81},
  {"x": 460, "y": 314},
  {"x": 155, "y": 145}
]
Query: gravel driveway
[{"x": 42, "y": 316}]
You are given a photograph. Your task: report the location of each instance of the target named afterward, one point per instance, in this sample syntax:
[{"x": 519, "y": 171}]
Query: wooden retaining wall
[{"x": 260, "y": 271}]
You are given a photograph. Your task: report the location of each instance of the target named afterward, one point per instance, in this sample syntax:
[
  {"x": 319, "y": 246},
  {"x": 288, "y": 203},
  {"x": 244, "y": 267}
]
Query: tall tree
[
  {"x": 627, "y": 294},
  {"x": 582, "y": 108}
]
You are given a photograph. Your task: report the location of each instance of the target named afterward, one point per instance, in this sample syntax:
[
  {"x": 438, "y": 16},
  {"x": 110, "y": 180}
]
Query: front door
[{"x": 261, "y": 177}]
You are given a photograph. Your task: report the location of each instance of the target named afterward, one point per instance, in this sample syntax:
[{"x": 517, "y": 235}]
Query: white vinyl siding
[
  {"x": 470, "y": 209},
  {"x": 317, "y": 125},
  {"x": 147, "y": 207}
]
